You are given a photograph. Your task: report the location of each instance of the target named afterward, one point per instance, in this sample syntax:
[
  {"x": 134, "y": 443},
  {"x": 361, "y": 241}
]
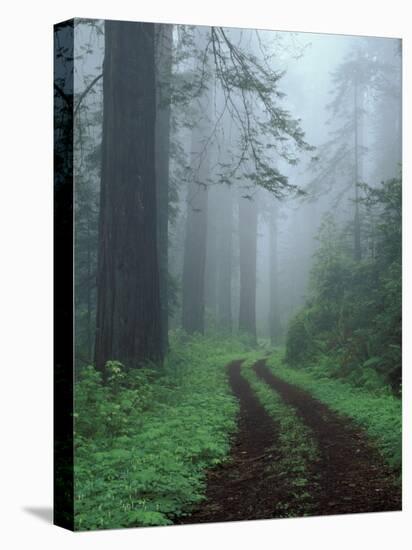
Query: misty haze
[{"x": 237, "y": 251}]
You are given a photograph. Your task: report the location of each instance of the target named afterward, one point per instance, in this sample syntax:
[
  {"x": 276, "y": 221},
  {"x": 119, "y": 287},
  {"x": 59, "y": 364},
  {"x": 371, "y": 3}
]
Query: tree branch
[{"x": 85, "y": 92}]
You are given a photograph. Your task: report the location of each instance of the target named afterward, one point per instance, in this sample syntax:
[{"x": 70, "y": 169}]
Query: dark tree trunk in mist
[
  {"x": 213, "y": 233},
  {"x": 247, "y": 254},
  {"x": 274, "y": 317},
  {"x": 163, "y": 56},
  {"x": 128, "y": 326},
  {"x": 194, "y": 263},
  {"x": 89, "y": 290},
  {"x": 357, "y": 171},
  {"x": 193, "y": 302},
  {"x": 224, "y": 280},
  {"x": 194, "y": 260}
]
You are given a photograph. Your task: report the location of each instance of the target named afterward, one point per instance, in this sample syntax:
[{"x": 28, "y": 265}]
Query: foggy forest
[{"x": 237, "y": 264}]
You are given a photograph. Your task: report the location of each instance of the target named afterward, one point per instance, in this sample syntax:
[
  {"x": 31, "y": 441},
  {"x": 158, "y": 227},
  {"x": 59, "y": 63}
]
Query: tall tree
[
  {"x": 274, "y": 314},
  {"x": 194, "y": 262},
  {"x": 357, "y": 165},
  {"x": 358, "y": 80},
  {"x": 128, "y": 326},
  {"x": 212, "y": 260},
  {"x": 225, "y": 253},
  {"x": 346, "y": 146},
  {"x": 248, "y": 217},
  {"x": 387, "y": 111},
  {"x": 163, "y": 56},
  {"x": 250, "y": 97},
  {"x": 193, "y": 299}
]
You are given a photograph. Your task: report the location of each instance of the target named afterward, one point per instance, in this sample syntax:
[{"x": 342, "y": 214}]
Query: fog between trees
[{"x": 206, "y": 161}]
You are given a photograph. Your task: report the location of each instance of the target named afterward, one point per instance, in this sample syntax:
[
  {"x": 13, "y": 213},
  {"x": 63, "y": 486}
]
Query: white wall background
[{"x": 26, "y": 272}]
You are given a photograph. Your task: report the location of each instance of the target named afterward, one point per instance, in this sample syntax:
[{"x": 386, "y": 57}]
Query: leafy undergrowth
[
  {"x": 379, "y": 412},
  {"x": 297, "y": 448},
  {"x": 145, "y": 439}
]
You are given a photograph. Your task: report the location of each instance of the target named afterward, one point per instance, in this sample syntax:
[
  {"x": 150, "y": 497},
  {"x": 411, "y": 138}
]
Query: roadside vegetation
[
  {"x": 235, "y": 191},
  {"x": 148, "y": 457},
  {"x": 350, "y": 325},
  {"x": 377, "y": 410}
]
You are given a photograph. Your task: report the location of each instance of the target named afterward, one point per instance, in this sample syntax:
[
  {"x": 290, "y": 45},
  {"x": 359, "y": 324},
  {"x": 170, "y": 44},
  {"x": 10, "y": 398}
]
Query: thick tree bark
[
  {"x": 247, "y": 249},
  {"x": 163, "y": 52},
  {"x": 128, "y": 301},
  {"x": 224, "y": 281},
  {"x": 193, "y": 299},
  {"x": 274, "y": 317}
]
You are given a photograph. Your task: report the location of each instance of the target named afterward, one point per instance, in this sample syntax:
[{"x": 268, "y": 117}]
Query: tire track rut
[
  {"x": 349, "y": 475},
  {"x": 244, "y": 488}
]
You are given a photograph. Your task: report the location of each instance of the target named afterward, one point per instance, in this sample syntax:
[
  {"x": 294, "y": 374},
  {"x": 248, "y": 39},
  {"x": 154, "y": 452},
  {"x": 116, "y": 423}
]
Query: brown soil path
[
  {"x": 242, "y": 488},
  {"x": 349, "y": 475}
]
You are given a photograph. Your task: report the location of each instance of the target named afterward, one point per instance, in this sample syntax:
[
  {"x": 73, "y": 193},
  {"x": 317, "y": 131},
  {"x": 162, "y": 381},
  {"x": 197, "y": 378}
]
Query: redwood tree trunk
[
  {"x": 247, "y": 251},
  {"x": 357, "y": 111},
  {"x": 163, "y": 49},
  {"x": 193, "y": 296},
  {"x": 224, "y": 282},
  {"x": 274, "y": 317},
  {"x": 128, "y": 326},
  {"x": 213, "y": 233}
]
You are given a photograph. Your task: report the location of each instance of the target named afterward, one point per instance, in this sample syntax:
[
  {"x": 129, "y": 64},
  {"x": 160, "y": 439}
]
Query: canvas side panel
[{"x": 63, "y": 275}]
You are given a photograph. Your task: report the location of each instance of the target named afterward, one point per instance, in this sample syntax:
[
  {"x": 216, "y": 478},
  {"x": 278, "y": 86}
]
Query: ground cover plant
[
  {"x": 145, "y": 439},
  {"x": 377, "y": 410},
  {"x": 236, "y": 218}
]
